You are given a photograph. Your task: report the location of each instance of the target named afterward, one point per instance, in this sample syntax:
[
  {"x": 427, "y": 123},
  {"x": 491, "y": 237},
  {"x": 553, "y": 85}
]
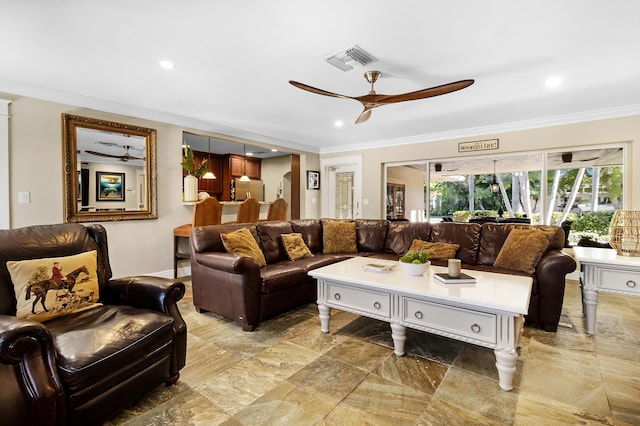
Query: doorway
[{"x": 343, "y": 180}]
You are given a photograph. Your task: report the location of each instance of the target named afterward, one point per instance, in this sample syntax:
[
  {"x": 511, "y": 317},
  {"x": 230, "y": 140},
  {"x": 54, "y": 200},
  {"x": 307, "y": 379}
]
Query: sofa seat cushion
[
  {"x": 282, "y": 275},
  {"x": 106, "y": 344}
]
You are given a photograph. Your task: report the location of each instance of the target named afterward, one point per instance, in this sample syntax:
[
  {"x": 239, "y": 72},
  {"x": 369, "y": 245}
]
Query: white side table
[{"x": 604, "y": 270}]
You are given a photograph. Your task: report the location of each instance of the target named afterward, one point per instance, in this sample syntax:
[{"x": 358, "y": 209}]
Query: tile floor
[{"x": 288, "y": 373}]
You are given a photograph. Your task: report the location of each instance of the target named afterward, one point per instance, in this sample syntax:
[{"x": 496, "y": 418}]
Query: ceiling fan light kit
[{"x": 374, "y": 100}]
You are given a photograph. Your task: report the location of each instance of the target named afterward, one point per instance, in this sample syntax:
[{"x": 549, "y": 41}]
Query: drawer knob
[
  {"x": 475, "y": 328},
  {"x": 419, "y": 315},
  {"x": 376, "y": 305},
  {"x": 631, "y": 284},
  {"x": 336, "y": 296}
]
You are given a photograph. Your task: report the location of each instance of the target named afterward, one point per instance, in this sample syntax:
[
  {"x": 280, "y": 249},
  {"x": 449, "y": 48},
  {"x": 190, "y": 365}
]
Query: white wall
[
  {"x": 579, "y": 135},
  {"x": 35, "y": 166}
]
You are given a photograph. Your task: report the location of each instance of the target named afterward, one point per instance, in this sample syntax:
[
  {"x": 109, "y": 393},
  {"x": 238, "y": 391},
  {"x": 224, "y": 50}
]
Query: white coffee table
[
  {"x": 489, "y": 313},
  {"x": 605, "y": 270}
]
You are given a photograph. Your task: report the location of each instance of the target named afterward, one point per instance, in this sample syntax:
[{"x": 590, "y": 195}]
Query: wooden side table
[
  {"x": 182, "y": 231},
  {"x": 604, "y": 270}
]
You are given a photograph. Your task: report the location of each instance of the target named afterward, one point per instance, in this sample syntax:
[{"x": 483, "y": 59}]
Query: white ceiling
[{"x": 233, "y": 61}]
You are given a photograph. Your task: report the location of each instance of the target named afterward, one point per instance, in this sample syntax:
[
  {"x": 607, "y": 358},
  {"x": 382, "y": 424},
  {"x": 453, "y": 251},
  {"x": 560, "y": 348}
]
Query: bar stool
[{"x": 205, "y": 212}]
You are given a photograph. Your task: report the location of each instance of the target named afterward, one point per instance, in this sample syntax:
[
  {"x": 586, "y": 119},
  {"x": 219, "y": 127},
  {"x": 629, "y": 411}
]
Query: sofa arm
[
  {"x": 551, "y": 274},
  {"x": 226, "y": 262},
  {"x": 27, "y": 359}
]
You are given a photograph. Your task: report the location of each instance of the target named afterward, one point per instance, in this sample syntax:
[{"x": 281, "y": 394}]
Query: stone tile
[
  {"x": 533, "y": 410},
  {"x": 441, "y": 413},
  {"x": 329, "y": 377},
  {"x": 418, "y": 373},
  {"x": 284, "y": 359},
  {"x": 382, "y": 402},
  {"x": 477, "y": 394},
  {"x": 312, "y": 338},
  {"x": 565, "y": 376},
  {"x": 358, "y": 353},
  {"x": 622, "y": 384},
  {"x": 286, "y": 404}
]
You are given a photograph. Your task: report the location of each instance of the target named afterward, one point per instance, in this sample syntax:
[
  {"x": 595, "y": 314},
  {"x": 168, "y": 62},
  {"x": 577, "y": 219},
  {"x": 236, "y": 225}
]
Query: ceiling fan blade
[
  {"x": 102, "y": 154},
  {"x": 318, "y": 91},
  {"x": 425, "y": 93},
  {"x": 364, "y": 116}
]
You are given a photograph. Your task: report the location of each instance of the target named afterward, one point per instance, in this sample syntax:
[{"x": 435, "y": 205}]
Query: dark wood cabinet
[
  {"x": 237, "y": 166},
  {"x": 212, "y": 186}
]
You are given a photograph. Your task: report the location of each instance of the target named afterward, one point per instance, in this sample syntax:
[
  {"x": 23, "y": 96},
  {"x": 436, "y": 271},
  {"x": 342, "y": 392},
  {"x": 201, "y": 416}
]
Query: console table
[
  {"x": 605, "y": 270},
  {"x": 488, "y": 313}
]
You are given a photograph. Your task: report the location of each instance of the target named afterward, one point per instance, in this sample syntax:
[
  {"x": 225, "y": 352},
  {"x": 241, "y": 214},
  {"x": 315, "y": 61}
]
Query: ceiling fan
[
  {"x": 374, "y": 100},
  {"x": 125, "y": 157}
]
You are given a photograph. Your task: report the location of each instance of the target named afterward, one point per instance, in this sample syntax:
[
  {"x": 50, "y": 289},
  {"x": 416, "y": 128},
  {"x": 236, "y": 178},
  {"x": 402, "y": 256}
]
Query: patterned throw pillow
[
  {"x": 243, "y": 242},
  {"x": 522, "y": 250},
  {"x": 295, "y": 246},
  {"x": 437, "y": 250},
  {"x": 54, "y": 287},
  {"x": 339, "y": 237}
]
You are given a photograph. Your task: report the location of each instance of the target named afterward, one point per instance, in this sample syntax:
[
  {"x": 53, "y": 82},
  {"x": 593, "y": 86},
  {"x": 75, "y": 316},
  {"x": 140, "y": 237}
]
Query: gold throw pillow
[
  {"x": 295, "y": 246},
  {"x": 339, "y": 237},
  {"x": 242, "y": 242},
  {"x": 437, "y": 250},
  {"x": 55, "y": 287},
  {"x": 522, "y": 250}
]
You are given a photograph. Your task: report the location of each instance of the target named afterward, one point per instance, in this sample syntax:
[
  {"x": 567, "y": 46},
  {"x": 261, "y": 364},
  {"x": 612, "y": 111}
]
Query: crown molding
[
  {"x": 581, "y": 117},
  {"x": 62, "y": 97}
]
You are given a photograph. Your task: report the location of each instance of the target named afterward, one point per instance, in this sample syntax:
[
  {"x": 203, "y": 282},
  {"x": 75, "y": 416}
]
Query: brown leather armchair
[{"x": 85, "y": 367}]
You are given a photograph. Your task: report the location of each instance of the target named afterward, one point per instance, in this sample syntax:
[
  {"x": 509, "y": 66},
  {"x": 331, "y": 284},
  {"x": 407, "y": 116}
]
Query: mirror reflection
[{"x": 109, "y": 170}]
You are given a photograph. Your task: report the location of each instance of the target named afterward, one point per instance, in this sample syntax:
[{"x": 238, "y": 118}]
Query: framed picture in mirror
[{"x": 110, "y": 186}]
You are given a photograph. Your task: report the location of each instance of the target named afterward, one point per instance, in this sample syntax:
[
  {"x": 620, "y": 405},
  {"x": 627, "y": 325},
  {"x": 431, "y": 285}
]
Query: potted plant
[
  {"x": 193, "y": 174},
  {"x": 415, "y": 262}
]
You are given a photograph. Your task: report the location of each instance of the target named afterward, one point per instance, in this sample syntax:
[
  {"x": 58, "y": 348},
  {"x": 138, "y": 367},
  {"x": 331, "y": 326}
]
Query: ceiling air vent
[{"x": 350, "y": 58}]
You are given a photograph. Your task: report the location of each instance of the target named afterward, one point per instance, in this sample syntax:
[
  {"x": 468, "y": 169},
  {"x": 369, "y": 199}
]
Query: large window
[{"x": 583, "y": 187}]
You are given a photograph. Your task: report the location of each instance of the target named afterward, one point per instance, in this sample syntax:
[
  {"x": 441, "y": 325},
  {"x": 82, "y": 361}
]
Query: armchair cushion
[
  {"x": 52, "y": 287},
  {"x": 242, "y": 242}
]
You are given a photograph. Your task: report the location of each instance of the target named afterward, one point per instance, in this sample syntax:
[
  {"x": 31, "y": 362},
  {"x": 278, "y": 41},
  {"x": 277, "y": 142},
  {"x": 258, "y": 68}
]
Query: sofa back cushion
[
  {"x": 371, "y": 234},
  {"x": 493, "y": 236},
  {"x": 467, "y": 235},
  {"x": 401, "y": 234},
  {"x": 311, "y": 231},
  {"x": 207, "y": 238},
  {"x": 271, "y": 240}
]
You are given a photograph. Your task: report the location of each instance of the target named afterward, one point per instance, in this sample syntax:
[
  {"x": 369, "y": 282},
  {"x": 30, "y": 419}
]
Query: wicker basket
[{"x": 624, "y": 232}]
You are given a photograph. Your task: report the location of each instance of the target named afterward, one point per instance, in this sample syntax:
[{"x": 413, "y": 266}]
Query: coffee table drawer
[
  {"x": 370, "y": 301},
  {"x": 619, "y": 280},
  {"x": 462, "y": 322}
]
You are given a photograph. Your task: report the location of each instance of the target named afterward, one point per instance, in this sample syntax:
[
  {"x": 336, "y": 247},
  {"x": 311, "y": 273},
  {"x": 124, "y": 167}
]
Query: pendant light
[
  {"x": 209, "y": 174},
  {"x": 495, "y": 187},
  {"x": 244, "y": 177}
]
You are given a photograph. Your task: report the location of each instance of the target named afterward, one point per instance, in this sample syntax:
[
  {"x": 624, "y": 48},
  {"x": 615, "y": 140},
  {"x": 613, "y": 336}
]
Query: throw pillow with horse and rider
[{"x": 53, "y": 287}]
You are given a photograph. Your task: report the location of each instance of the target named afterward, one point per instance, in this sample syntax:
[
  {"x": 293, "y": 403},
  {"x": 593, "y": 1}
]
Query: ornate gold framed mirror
[{"x": 109, "y": 170}]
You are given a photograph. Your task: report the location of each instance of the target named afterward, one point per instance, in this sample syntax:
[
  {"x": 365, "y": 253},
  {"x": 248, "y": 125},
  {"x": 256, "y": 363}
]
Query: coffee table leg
[
  {"x": 399, "y": 336},
  {"x": 325, "y": 316},
  {"x": 590, "y": 304},
  {"x": 506, "y": 364}
]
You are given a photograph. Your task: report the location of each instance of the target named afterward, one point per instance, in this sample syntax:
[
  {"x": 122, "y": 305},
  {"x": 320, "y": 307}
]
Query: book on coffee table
[
  {"x": 374, "y": 267},
  {"x": 448, "y": 279}
]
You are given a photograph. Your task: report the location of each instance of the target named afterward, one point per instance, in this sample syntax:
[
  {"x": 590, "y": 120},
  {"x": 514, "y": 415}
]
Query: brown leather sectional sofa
[{"x": 235, "y": 287}]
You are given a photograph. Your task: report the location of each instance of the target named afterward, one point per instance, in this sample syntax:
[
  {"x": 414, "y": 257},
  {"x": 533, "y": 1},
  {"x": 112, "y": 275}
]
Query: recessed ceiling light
[
  {"x": 167, "y": 65},
  {"x": 554, "y": 81},
  {"x": 338, "y": 123},
  {"x": 274, "y": 150}
]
